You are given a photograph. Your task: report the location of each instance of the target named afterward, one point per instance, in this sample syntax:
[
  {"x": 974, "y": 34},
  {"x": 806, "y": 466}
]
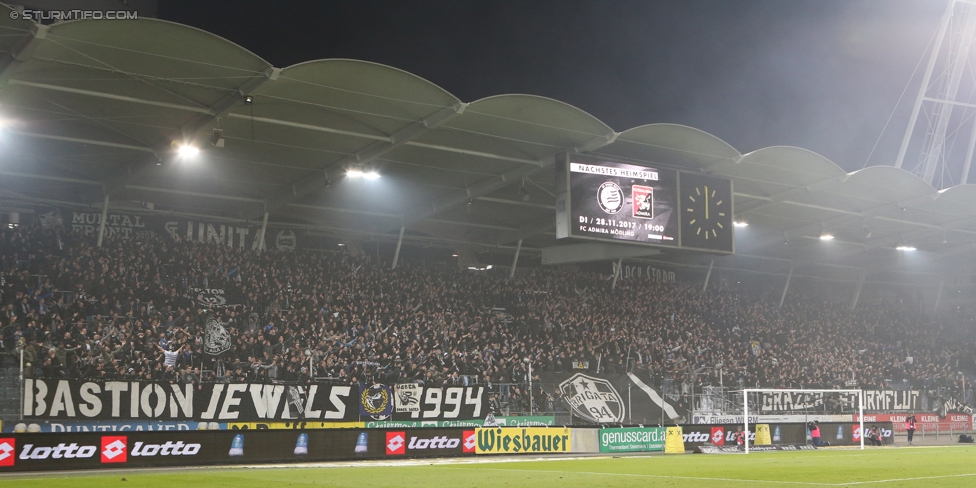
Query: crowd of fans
[{"x": 139, "y": 310}]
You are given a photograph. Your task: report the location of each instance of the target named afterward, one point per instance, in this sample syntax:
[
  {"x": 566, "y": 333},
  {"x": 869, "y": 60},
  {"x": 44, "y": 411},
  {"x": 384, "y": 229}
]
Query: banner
[
  {"x": 407, "y": 397},
  {"x": 375, "y": 402},
  {"x": 602, "y": 399},
  {"x": 510, "y": 440},
  {"x": 135, "y": 225},
  {"x": 216, "y": 298},
  {"x": 525, "y": 421},
  {"x": 216, "y": 339},
  {"x": 632, "y": 439},
  {"x": 136, "y": 400},
  {"x": 448, "y": 403},
  {"x": 47, "y": 399},
  {"x": 103, "y": 426},
  {"x": 787, "y": 401},
  {"x": 951, "y": 405}
]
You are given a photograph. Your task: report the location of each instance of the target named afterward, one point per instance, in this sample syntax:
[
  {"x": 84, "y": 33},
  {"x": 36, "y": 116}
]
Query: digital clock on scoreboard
[{"x": 616, "y": 201}]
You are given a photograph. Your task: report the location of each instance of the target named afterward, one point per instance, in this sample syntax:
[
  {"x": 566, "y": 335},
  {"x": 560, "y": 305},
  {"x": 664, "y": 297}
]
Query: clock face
[{"x": 706, "y": 213}]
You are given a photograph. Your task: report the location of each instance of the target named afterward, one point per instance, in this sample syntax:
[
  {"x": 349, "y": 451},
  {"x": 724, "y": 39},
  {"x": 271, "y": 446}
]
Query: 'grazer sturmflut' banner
[
  {"x": 48, "y": 399},
  {"x": 788, "y": 401},
  {"x": 604, "y": 399}
]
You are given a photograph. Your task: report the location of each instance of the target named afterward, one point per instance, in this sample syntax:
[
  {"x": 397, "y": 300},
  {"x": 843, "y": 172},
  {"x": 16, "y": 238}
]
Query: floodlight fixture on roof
[{"x": 187, "y": 151}]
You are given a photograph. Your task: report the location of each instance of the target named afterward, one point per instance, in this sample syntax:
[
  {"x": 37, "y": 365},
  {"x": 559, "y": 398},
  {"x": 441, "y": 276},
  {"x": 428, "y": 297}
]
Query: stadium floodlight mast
[{"x": 745, "y": 410}]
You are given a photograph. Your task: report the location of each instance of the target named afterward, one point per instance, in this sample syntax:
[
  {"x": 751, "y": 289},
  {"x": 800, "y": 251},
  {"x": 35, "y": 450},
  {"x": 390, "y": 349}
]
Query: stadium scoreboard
[{"x": 619, "y": 202}]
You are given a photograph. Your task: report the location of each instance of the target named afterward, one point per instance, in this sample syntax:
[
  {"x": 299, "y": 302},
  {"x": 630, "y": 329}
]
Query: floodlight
[
  {"x": 906, "y": 248},
  {"x": 354, "y": 173},
  {"x": 248, "y": 100},
  {"x": 187, "y": 151},
  {"x": 826, "y": 237},
  {"x": 372, "y": 175},
  {"x": 741, "y": 224}
]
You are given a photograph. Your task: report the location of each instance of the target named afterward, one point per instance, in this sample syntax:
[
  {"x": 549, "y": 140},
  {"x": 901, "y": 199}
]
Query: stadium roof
[{"x": 91, "y": 107}]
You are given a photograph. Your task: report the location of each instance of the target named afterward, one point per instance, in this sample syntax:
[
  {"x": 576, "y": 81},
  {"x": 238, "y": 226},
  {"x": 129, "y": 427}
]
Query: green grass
[{"x": 935, "y": 466}]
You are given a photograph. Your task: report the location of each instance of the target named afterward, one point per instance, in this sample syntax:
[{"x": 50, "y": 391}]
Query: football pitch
[{"x": 922, "y": 466}]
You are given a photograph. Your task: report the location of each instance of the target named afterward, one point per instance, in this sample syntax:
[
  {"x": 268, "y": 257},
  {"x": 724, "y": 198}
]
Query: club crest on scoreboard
[{"x": 610, "y": 197}]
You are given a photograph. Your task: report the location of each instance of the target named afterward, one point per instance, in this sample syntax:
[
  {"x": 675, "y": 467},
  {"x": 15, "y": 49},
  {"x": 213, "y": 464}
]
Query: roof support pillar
[
  {"x": 518, "y": 249},
  {"x": 938, "y": 296},
  {"x": 617, "y": 269},
  {"x": 101, "y": 224},
  {"x": 857, "y": 289},
  {"x": 786, "y": 287},
  {"x": 708, "y": 275},
  {"x": 396, "y": 254},
  {"x": 264, "y": 231}
]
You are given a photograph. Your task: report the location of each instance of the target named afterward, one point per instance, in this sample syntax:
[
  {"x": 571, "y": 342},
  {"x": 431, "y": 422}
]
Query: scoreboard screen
[{"x": 613, "y": 201}]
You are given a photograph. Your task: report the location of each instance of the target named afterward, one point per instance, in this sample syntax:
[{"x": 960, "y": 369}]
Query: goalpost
[{"x": 745, "y": 401}]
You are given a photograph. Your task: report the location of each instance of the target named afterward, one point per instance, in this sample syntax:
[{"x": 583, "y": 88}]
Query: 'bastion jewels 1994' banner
[
  {"x": 48, "y": 399},
  {"x": 513, "y": 440},
  {"x": 135, "y": 400},
  {"x": 444, "y": 403}
]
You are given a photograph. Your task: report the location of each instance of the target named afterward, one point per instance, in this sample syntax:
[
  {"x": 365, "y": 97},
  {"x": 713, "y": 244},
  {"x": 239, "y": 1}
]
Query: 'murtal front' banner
[
  {"x": 138, "y": 400},
  {"x": 603, "y": 399},
  {"x": 133, "y": 225},
  {"x": 788, "y": 401}
]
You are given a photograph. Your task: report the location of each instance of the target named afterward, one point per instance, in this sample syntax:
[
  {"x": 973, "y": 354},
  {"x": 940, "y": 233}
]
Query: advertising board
[
  {"x": 514, "y": 440},
  {"x": 632, "y": 439}
]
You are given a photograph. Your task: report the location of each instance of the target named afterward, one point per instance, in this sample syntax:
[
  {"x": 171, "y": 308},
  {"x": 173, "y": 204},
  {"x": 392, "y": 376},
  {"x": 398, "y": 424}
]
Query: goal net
[{"x": 843, "y": 409}]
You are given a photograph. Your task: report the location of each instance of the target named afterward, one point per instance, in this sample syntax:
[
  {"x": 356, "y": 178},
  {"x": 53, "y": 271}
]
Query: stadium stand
[{"x": 79, "y": 311}]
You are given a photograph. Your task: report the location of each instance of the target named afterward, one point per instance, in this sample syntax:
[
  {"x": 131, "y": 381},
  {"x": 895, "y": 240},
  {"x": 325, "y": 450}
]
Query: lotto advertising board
[
  {"x": 697, "y": 435},
  {"x": 428, "y": 442},
  {"x": 632, "y": 439},
  {"x": 46, "y": 452}
]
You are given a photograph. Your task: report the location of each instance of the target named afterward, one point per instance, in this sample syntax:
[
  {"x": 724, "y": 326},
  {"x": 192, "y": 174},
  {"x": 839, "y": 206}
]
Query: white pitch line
[
  {"x": 906, "y": 479},
  {"x": 698, "y": 478}
]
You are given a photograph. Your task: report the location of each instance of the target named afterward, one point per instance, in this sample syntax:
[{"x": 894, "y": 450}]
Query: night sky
[{"x": 819, "y": 74}]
